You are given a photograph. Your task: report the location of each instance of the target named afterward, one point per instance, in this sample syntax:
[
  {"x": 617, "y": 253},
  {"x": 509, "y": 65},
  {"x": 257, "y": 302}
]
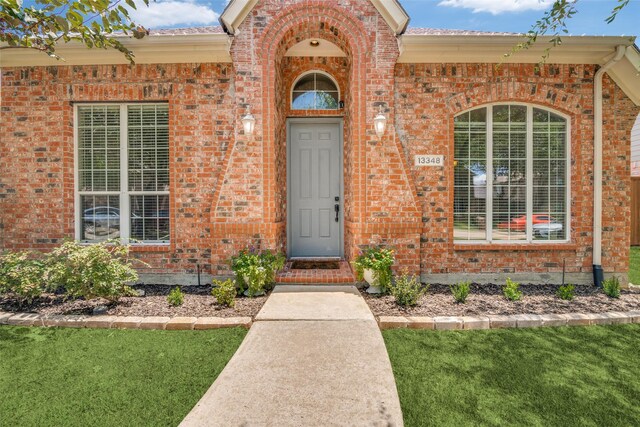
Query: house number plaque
[{"x": 429, "y": 160}]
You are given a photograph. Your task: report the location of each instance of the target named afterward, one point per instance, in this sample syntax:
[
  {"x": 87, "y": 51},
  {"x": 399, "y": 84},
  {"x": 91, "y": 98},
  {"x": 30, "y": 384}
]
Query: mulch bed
[
  {"x": 198, "y": 302},
  {"x": 489, "y": 300}
]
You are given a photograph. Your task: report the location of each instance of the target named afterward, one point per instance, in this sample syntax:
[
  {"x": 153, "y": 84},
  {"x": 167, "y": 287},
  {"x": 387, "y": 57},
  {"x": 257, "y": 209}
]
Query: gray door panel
[{"x": 315, "y": 182}]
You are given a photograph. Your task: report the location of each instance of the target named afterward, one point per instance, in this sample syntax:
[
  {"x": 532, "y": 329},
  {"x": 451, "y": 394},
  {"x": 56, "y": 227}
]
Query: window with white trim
[
  {"x": 315, "y": 90},
  {"x": 511, "y": 175},
  {"x": 122, "y": 163}
]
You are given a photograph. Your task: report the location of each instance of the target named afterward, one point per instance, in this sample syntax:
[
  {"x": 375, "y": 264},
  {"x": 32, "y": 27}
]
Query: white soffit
[
  {"x": 158, "y": 49},
  {"x": 325, "y": 48},
  {"x": 626, "y": 74},
  {"x": 491, "y": 49},
  {"x": 237, "y": 10}
]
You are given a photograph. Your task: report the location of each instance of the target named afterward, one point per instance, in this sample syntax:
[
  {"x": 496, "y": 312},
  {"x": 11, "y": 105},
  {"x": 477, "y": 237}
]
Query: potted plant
[
  {"x": 254, "y": 270},
  {"x": 374, "y": 266}
]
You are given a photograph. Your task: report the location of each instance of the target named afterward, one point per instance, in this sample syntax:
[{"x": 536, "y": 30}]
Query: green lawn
[
  {"x": 583, "y": 376},
  {"x": 634, "y": 265},
  {"x": 102, "y": 377}
]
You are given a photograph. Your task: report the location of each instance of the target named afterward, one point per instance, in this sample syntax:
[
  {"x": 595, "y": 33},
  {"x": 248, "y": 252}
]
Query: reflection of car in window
[
  {"x": 520, "y": 223},
  {"x": 101, "y": 221},
  {"x": 546, "y": 229},
  {"x": 102, "y": 215},
  {"x": 104, "y": 220}
]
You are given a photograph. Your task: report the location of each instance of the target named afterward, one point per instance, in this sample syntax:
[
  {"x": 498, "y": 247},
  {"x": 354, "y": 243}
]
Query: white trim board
[{"x": 207, "y": 48}]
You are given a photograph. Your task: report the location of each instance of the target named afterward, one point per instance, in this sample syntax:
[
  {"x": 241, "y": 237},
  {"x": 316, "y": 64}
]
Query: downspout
[{"x": 598, "y": 274}]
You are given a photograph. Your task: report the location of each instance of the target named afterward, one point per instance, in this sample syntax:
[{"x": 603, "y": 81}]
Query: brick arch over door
[
  {"x": 249, "y": 172},
  {"x": 295, "y": 23},
  {"x": 245, "y": 210}
]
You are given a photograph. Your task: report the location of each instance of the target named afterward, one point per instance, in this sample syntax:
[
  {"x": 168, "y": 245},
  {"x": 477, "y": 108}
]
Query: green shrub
[
  {"x": 611, "y": 287},
  {"x": 460, "y": 291},
  {"x": 566, "y": 292},
  {"x": 100, "y": 270},
  {"x": 22, "y": 276},
  {"x": 511, "y": 290},
  {"x": 406, "y": 290},
  {"x": 255, "y": 278},
  {"x": 175, "y": 297},
  {"x": 254, "y": 270},
  {"x": 225, "y": 292},
  {"x": 380, "y": 261},
  {"x": 273, "y": 263}
]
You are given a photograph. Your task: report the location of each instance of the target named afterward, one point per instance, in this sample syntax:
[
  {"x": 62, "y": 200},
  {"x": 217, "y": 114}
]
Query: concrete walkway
[{"x": 314, "y": 357}]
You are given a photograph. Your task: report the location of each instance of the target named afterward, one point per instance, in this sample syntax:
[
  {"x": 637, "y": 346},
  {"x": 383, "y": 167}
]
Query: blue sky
[
  {"x": 483, "y": 15},
  {"x": 523, "y": 13}
]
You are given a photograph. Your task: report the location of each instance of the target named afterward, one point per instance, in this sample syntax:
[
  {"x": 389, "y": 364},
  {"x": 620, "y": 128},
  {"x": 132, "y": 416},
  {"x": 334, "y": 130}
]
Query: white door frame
[{"x": 314, "y": 120}]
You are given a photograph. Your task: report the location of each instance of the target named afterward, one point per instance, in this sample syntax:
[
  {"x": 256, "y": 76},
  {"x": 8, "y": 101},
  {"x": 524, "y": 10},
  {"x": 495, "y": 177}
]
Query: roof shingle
[
  {"x": 186, "y": 31},
  {"x": 417, "y": 31},
  {"x": 447, "y": 32}
]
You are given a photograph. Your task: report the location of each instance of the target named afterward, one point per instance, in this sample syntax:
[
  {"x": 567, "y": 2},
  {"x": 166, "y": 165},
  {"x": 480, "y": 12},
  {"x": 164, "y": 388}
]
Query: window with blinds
[
  {"x": 511, "y": 175},
  {"x": 123, "y": 172}
]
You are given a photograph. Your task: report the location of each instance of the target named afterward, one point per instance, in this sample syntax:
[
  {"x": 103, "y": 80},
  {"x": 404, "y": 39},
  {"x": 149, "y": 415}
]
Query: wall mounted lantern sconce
[
  {"x": 380, "y": 123},
  {"x": 248, "y": 123}
]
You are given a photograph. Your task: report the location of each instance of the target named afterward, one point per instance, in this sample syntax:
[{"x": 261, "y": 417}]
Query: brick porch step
[{"x": 342, "y": 275}]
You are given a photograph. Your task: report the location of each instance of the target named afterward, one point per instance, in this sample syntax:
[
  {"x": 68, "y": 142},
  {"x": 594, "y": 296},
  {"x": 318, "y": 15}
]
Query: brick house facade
[{"x": 227, "y": 189}]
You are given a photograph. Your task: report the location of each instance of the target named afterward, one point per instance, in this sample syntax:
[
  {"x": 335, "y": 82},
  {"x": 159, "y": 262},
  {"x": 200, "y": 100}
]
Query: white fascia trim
[
  {"x": 394, "y": 15},
  {"x": 416, "y": 48},
  {"x": 201, "y": 48},
  {"x": 510, "y": 40},
  {"x": 236, "y": 12}
]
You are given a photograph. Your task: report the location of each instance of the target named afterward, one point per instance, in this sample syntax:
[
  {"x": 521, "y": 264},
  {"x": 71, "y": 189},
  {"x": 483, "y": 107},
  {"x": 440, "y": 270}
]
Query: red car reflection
[{"x": 520, "y": 223}]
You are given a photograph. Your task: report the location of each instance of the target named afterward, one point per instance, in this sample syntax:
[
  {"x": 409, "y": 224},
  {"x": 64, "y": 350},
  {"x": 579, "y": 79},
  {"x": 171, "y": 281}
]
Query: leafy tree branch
[
  {"x": 554, "y": 24},
  {"x": 47, "y": 24}
]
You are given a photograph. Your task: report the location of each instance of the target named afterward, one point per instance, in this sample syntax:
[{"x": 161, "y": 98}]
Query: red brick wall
[
  {"x": 430, "y": 95},
  {"x": 619, "y": 115},
  {"x": 36, "y": 128}
]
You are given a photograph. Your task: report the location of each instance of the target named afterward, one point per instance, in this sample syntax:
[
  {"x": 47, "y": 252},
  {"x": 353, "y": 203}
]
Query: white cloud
[
  {"x": 169, "y": 13},
  {"x": 496, "y": 7}
]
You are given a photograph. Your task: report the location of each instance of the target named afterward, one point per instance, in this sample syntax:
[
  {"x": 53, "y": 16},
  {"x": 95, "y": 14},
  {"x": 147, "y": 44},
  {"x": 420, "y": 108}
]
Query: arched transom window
[
  {"x": 511, "y": 175},
  {"x": 315, "y": 90}
]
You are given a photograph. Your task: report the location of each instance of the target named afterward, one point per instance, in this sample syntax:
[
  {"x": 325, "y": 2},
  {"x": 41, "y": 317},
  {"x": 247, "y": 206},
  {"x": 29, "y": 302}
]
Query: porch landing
[
  {"x": 341, "y": 275},
  {"x": 322, "y": 362}
]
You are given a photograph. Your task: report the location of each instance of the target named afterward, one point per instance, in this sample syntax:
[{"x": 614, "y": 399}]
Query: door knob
[{"x": 337, "y": 209}]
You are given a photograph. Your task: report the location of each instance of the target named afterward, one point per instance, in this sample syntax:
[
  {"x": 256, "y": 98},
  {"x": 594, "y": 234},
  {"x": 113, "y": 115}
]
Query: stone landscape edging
[
  {"x": 510, "y": 321},
  {"x": 124, "y": 322},
  {"x": 384, "y": 322}
]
